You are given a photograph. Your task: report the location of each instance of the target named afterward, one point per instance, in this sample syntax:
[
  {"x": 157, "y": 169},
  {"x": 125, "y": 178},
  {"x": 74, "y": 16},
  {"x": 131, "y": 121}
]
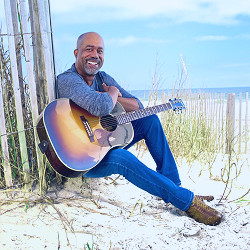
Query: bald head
[{"x": 86, "y": 36}]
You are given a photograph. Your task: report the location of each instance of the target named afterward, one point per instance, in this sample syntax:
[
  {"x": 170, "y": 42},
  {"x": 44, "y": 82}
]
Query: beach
[{"x": 111, "y": 213}]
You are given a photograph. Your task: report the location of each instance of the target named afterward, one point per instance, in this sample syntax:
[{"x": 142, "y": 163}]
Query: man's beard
[{"x": 91, "y": 71}]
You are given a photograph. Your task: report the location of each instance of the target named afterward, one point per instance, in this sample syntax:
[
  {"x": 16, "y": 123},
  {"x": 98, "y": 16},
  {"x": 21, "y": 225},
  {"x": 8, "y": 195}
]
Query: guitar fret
[
  {"x": 134, "y": 115},
  {"x": 137, "y": 114},
  {"x": 124, "y": 119}
]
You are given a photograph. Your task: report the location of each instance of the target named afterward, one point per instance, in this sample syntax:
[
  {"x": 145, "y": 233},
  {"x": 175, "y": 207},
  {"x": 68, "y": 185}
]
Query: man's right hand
[{"x": 112, "y": 91}]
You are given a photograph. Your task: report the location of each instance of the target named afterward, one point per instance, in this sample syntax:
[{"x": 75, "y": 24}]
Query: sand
[{"x": 111, "y": 213}]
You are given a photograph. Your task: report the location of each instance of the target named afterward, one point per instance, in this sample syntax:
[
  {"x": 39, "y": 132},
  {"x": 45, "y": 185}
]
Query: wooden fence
[
  {"x": 30, "y": 53},
  {"x": 226, "y": 115}
]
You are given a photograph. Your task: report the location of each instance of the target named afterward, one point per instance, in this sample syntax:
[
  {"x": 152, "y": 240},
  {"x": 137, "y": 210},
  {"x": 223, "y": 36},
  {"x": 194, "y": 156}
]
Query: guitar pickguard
[{"x": 118, "y": 138}]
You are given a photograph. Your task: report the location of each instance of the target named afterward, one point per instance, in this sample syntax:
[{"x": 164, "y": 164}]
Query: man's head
[{"x": 89, "y": 54}]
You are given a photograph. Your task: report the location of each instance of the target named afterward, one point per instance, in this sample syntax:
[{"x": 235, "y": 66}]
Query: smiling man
[
  {"x": 89, "y": 57},
  {"x": 98, "y": 93}
]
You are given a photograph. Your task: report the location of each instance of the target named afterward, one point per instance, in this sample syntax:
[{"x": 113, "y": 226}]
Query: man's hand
[
  {"x": 111, "y": 89},
  {"x": 129, "y": 104},
  {"x": 113, "y": 92}
]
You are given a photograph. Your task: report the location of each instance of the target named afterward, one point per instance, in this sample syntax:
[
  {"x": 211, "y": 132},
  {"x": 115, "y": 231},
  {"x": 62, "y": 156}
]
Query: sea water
[{"x": 144, "y": 94}]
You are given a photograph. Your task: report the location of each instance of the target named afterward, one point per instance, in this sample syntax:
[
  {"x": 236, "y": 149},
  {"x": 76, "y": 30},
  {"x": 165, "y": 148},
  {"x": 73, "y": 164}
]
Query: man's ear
[{"x": 76, "y": 53}]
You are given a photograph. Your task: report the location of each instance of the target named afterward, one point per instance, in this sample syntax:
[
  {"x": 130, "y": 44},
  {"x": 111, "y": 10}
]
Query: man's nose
[{"x": 94, "y": 53}]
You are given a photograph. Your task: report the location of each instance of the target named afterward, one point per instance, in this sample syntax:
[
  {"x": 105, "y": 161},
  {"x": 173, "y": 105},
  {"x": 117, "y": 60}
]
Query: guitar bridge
[{"x": 88, "y": 129}]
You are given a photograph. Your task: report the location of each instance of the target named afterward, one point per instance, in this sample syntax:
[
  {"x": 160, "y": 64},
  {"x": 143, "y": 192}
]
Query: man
[{"x": 97, "y": 92}]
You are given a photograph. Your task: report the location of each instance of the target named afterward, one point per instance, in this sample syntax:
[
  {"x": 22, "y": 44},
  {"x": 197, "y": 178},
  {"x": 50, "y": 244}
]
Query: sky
[{"x": 143, "y": 39}]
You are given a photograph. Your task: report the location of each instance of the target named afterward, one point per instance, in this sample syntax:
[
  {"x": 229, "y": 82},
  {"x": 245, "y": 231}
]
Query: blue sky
[{"x": 213, "y": 37}]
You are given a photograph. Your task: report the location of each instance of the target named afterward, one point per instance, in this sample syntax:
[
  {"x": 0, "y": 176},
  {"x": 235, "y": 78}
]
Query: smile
[{"x": 93, "y": 63}]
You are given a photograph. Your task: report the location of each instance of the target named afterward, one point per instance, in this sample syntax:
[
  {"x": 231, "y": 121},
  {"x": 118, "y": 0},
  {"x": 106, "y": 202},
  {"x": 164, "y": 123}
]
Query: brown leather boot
[
  {"x": 202, "y": 213},
  {"x": 205, "y": 197}
]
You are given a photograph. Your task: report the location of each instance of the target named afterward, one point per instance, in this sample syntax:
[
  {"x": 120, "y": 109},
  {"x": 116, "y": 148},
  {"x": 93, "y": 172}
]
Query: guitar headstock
[{"x": 177, "y": 104}]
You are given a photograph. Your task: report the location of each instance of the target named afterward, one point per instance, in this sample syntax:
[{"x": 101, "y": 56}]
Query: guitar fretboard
[{"x": 137, "y": 114}]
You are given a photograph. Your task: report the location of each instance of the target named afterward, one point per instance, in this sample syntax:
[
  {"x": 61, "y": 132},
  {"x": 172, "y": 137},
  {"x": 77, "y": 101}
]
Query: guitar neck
[{"x": 138, "y": 114}]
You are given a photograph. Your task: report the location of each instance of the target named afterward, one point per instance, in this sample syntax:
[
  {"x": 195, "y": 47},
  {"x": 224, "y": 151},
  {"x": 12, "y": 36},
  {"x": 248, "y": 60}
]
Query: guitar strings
[{"x": 110, "y": 119}]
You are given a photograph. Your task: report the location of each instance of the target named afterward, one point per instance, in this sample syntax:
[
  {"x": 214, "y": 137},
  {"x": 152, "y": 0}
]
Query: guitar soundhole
[{"x": 109, "y": 122}]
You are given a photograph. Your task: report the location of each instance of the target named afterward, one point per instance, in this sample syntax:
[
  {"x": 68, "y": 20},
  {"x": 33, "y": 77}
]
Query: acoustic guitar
[{"x": 74, "y": 141}]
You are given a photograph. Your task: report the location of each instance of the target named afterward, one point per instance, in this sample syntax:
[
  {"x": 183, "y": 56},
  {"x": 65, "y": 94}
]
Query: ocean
[{"x": 144, "y": 94}]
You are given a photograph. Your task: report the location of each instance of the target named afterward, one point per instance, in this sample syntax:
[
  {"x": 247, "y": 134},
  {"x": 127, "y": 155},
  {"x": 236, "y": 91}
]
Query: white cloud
[
  {"x": 132, "y": 39},
  {"x": 202, "y": 11},
  {"x": 235, "y": 65},
  {"x": 245, "y": 36},
  {"x": 212, "y": 38}
]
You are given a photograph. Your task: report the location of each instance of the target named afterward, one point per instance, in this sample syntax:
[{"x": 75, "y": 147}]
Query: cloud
[
  {"x": 212, "y": 38},
  {"x": 201, "y": 11},
  {"x": 235, "y": 65},
  {"x": 132, "y": 39},
  {"x": 245, "y": 36}
]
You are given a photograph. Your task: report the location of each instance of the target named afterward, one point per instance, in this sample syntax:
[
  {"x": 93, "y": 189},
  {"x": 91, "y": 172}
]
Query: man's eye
[
  {"x": 100, "y": 51},
  {"x": 89, "y": 49}
]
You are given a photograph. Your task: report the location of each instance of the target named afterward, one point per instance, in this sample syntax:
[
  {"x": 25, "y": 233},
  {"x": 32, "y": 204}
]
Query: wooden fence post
[
  {"x": 240, "y": 117},
  {"x": 32, "y": 84},
  {"x": 4, "y": 141},
  {"x": 222, "y": 124},
  {"x": 46, "y": 32},
  {"x": 18, "y": 103},
  {"x": 230, "y": 123},
  {"x": 18, "y": 53},
  {"x": 43, "y": 58},
  {"x": 38, "y": 56},
  {"x": 246, "y": 123}
]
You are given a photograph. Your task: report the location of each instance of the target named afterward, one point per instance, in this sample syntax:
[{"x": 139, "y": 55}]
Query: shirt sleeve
[
  {"x": 112, "y": 82},
  {"x": 72, "y": 86}
]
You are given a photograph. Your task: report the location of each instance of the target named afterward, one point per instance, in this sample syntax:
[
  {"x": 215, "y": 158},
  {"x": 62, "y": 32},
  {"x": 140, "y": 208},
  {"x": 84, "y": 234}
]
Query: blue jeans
[{"x": 164, "y": 182}]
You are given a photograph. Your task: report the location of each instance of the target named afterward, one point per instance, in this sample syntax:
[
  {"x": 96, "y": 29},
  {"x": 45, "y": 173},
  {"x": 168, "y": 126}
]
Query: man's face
[{"x": 89, "y": 55}]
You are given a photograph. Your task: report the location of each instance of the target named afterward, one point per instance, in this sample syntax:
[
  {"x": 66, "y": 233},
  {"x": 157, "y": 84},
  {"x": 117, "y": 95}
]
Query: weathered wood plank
[
  {"x": 246, "y": 124},
  {"x": 4, "y": 141},
  {"x": 18, "y": 53},
  {"x": 18, "y": 103},
  {"x": 32, "y": 84},
  {"x": 240, "y": 117},
  {"x": 230, "y": 123},
  {"x": 38, "y": 56},
  {"x": 47, "y": 46}
]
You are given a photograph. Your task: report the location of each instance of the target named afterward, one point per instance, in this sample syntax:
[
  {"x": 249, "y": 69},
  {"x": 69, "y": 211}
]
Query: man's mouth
[
  {"x": 93, "y": 63},
  {"x": 92, "y": 66}
]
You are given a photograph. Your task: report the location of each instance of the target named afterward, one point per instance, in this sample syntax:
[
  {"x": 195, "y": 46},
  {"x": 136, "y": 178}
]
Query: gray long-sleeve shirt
[{"x": 71, "y": 85}]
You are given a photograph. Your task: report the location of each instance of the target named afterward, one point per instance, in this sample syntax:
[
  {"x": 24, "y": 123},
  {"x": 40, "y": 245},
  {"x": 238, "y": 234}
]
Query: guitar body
[{"x": 75, "y": 141}]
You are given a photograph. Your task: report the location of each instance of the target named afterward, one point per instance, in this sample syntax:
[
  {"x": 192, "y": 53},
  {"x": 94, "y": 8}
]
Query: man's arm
[
  {"x": 129, "y": 104},
  {"x": 72, "y": 86}
]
